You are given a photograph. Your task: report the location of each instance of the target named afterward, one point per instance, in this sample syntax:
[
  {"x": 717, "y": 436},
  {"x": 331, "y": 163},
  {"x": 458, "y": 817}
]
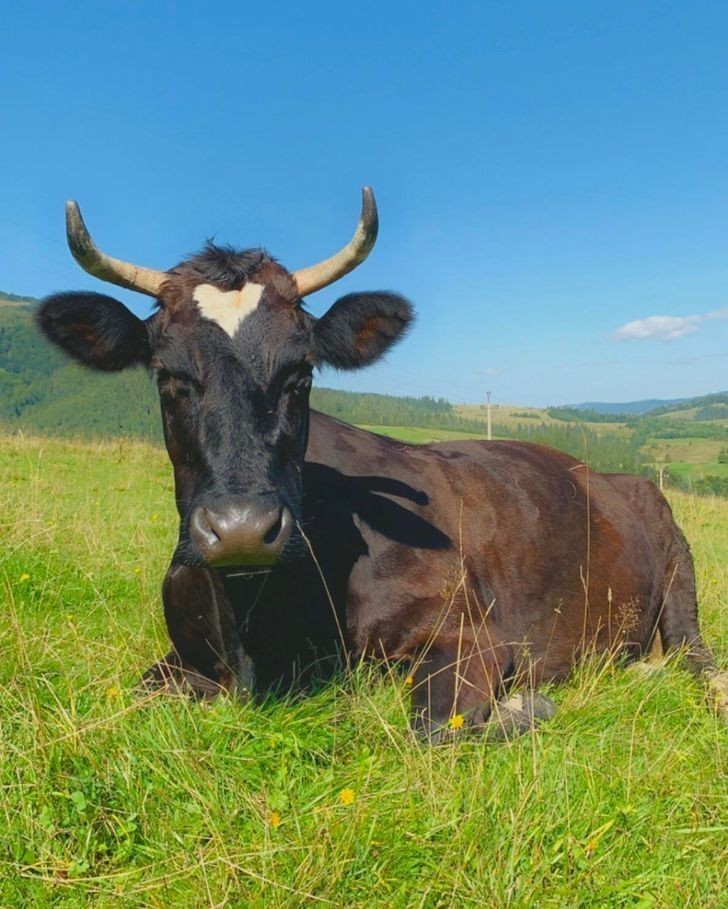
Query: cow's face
[{"x": 233, "y": 351}]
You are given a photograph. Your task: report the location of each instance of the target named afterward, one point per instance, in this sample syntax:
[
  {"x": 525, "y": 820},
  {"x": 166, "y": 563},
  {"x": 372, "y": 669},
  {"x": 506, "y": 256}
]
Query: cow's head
[{"x": 233, "y": 351}]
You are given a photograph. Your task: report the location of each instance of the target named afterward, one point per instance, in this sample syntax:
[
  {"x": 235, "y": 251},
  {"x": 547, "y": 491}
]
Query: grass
[
  {"x": 420, "y": 435},
  {"x": 691, "y": 459},
  {"x": 693, "y": 451},
  {"x": 108, "y": 800},
  {"x": 693, "y": 471}
]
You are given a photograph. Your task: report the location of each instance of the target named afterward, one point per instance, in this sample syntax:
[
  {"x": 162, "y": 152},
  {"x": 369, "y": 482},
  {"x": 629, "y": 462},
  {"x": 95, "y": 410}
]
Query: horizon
[{"x": 550, "y": 182}]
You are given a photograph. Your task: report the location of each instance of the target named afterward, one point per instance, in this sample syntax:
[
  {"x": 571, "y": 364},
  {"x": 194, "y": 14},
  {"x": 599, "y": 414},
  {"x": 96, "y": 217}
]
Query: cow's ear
[
  {"x": 94, "y": 329},
  {"x": 360, "y": 328}
]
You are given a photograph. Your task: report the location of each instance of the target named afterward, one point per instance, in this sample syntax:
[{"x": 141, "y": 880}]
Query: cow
[{"x": 305, "y": 542}]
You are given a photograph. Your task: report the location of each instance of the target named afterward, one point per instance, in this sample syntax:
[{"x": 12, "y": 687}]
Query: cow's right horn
[
  {"x": 115, "y": 271},
  {"x": 357, "y": 249}
]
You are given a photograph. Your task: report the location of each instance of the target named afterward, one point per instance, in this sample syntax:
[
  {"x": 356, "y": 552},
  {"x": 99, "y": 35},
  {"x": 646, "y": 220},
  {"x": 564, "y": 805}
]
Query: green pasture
[
  {"x": 690, "y": 451},
  {"x": 513, "y": 415},
  {"x": 698, "y": 471},
  {"x": 420, "y": 435},
  {"x": 109, "y": 799},
  {"x": 690, "y": 459}
]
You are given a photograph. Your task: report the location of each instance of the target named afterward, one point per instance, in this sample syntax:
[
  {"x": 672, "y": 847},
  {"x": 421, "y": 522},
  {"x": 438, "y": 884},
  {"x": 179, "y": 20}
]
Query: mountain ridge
[{"x": 634, "y": 408}]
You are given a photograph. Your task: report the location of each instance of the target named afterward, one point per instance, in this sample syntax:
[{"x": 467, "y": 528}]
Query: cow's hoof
[
  {"x": 427, "y": 730},
  {"x": 538, "y": 706},
  {"x": 643, "y": 667},
  {"x": 518, "y": 714},
  {"x": 170, "y": 676},
  {"x": 717, "y": 684}
]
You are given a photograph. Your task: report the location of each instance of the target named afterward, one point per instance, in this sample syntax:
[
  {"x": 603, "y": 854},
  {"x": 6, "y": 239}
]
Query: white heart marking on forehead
[{"x": 227, "y": 308}]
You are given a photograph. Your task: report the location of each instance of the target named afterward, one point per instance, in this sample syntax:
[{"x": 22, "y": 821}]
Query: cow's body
[
  {"x": 301, "y": 537},
  {"x": 503, "y": 559}
]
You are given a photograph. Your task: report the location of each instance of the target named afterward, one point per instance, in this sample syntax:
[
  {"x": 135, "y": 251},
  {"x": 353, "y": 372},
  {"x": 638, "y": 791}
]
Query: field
[
  {"x": 109, "y": 799},
  {"x": 690, "y": 459},
  {"x": 512, "y": 415},
  {"x": 421, "y": 435}
]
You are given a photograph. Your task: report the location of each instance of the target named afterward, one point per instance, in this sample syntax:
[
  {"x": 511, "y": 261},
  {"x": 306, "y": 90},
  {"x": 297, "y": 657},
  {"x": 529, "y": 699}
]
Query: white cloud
[
  {"x": 665, "y": 328},
  {"x": 718, "y": 313},
  {"x": 492, "y": 371}
]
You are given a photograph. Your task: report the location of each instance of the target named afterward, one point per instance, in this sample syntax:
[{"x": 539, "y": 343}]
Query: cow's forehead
[
  {"x": 219, "y": 294},
  {"x": 228, "y": 308}
]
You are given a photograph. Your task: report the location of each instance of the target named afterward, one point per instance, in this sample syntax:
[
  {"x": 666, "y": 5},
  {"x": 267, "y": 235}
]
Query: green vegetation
[
  {"x": 587, "y": 415},
  {"x": 608, "y": 452},
  {"x": 109, "y": 799},
  {"x": 41, "y": 391},
  {"x": 364, "y": 409},
  {"x": 418, "y": 435}
]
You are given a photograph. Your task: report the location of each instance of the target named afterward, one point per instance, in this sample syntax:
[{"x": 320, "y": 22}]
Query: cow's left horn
[
  {"x": 115, "y": 271},
  {"x": 317, "y": 276}
]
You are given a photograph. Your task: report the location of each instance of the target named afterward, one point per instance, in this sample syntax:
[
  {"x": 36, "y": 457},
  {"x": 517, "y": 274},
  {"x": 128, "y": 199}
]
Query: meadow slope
[{"x": 112, "y": 800}]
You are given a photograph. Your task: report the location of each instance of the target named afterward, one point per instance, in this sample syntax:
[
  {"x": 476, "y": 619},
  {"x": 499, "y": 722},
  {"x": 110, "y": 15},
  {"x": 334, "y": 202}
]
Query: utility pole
[{"x": 490, "y": 434}]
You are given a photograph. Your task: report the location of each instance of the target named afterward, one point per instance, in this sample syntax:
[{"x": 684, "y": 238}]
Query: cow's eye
[
  {"x": 301, "y": 385},
  {"x": 172, "y": 384},
  {"x": 298, "y": 385}
]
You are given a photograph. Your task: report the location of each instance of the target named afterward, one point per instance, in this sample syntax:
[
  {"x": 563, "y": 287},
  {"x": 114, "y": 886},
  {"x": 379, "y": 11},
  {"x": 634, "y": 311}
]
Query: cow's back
[{"x": 550, "y": 550}]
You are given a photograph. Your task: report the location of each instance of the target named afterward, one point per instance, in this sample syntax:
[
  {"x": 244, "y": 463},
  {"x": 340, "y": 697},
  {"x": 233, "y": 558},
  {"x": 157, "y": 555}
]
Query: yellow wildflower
[
  {"x": 112, "y": 692},
  {"x": 70, "y": 618},
  {"x": 347, "y": 796},
  {"x": 591, "y": 847},
  {"x": 274, "y": 819},
  {"x": 24, "y": 576},
  {"x": 137, "y": 570},
  {"x": 409, "y": 681},
  {"x": 457, "y": 721}
]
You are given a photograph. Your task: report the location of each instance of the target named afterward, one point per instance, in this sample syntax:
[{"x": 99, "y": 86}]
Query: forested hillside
[{"x": 42, "y": 392}]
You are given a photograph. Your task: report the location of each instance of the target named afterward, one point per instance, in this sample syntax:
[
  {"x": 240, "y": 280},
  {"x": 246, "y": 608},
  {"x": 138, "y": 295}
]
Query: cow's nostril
[
  {"x": 202, "y": 529},
  {"x": 271, "y": 535},
  {"x": 213, "y": 535}
]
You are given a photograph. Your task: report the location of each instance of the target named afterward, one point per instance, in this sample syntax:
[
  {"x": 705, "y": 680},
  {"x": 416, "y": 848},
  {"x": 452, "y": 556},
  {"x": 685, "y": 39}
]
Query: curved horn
[
  {"x": 317, "y": 276},
  {"x": 91, "y": 259}
]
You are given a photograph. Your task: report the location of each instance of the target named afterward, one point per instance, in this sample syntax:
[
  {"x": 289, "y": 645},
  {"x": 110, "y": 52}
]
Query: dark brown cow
[{"x": 482, "y": 564}]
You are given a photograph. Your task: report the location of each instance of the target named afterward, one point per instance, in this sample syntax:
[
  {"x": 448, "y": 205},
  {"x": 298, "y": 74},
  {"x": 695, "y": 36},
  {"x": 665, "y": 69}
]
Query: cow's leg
[
  {"x": 455, "y": 683},
  {"x": 207, "y": 655},
  {"x": 679, "y": 629}
]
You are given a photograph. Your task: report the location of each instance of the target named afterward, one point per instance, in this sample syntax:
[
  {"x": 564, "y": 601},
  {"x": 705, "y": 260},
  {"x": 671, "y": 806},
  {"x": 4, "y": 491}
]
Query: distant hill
[
  {"x": 705, "y": 407},
  {"x": 6, "y": 297},
  {"x": 634, "y": 408}
]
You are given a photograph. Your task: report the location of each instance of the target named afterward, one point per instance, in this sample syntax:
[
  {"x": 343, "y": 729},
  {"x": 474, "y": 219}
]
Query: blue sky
[{"x": 549, "y": 175}]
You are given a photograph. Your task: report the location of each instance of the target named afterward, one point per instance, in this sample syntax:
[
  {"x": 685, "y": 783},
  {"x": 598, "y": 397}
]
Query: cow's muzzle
[{"x": 243, "y": 531}]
